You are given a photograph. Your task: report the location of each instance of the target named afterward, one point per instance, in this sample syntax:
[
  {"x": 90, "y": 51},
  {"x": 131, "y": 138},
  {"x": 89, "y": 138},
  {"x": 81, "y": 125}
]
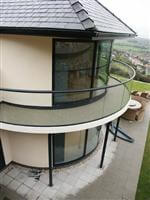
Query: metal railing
[
  {"x": 131, "y": 70},
  {"x": 115, "y": 99}
]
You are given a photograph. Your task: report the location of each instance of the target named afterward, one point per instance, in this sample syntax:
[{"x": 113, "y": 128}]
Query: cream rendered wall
[
  {"x": 26, "y": 63},
  {"x": 0, "y": 68},
  {"x": 26, "y": 149},
  {"x": 4, "y": 136}
]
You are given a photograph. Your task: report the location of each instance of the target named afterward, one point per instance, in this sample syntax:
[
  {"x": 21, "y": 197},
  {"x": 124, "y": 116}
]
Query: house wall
[
  {"x": 26, "y": 63},
  {"x": 6, "y": 146},
  {"x": 26, "y": 149}
]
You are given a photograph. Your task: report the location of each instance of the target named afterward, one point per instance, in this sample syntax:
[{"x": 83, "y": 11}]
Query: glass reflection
[
  {"x": 93, "y": 139},
  {"x": 73, "y": 69},
  {"x": 101, "y": 76},
  {"x": 68, "y": 146},
  {"x": 72, "y": 146}
]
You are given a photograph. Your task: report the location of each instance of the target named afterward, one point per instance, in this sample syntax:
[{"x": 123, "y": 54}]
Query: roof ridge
[
  {"x": 82, "y": 14},
  {"x": 115, "y": 16}
]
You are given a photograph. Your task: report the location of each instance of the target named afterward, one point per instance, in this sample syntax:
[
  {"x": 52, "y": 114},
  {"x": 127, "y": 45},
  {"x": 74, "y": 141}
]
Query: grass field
[
  {"x": 140, "y": 86},
  {"x": 135, "y": 45},
  {"x": 143, "y": 189},
  {"x": 130, "y": 48},
  {"x": 136, "y": 85}
]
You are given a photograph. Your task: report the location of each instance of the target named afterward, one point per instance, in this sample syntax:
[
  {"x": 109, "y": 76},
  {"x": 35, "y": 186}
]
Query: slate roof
[{"x": 79, "y": 15}]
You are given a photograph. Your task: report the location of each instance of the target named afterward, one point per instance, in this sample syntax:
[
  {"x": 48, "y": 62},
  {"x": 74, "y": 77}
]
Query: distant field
[
  {"x": 130, "y": 48},
  {"x": 136, "y": 85},
  {"x": 136, "y": 45},
  {"x": 140, "y": 86}
]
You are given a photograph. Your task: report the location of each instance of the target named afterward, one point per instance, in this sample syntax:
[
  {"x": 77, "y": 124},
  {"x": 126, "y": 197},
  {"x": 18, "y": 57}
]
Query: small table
[
  {"x": 117, "y": 131},
  {"x": 133, "y": 104}
]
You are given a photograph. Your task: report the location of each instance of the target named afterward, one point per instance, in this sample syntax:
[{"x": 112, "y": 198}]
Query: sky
[{"x": 135, "y": 13}]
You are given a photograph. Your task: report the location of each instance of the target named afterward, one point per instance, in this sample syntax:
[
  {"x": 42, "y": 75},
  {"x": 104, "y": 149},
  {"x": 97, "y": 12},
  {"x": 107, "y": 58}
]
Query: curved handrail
[{"x": 74, "y": 91}]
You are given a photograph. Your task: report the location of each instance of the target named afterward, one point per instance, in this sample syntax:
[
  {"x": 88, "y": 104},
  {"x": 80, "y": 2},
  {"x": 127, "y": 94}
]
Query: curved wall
[
  {"x": 26, "y": 149},
  {"x": 26, "y": 63},
  {"x": 32, "y": 149}
]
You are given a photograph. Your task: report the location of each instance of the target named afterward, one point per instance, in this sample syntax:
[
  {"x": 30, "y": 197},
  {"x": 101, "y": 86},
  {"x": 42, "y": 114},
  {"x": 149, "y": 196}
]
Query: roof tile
[{"x": 60, "y": 14}]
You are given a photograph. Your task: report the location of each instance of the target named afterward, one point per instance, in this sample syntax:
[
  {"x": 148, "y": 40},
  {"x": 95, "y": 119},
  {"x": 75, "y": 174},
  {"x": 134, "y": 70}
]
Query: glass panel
[
  {"x": 93, "y": 138},
  {"x": 114, "y": 99},
  {"x": 103, "y": 59},
  {"x": 120, "y": 71},
  {"x": 68, "y": 146},
  {"x": 71, "y": 97},
  {"x": 127, "y": 89},
  {"x": 73, "y": 69},
  {"x": 102, "y": 70},
  {"x": 59, "y": 143},
  {"x": 74, "y": 145}
]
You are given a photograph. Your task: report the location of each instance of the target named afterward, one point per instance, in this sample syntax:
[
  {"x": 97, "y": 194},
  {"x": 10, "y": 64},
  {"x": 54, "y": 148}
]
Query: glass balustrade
[{"x": 116, "y": 96}]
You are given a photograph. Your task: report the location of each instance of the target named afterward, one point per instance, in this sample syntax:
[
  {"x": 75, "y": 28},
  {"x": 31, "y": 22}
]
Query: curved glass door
[
  {"x": 73, "y": 146},
  {"x": 68, "y": 147}
]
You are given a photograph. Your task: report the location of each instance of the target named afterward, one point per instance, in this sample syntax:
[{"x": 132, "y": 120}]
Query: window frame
[
  {"x": 83, "y": 156},
  {"x": 90, "y": 99}
]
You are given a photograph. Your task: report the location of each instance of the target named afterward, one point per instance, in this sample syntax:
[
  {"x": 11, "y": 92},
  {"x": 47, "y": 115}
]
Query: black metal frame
[
  {"x": 50, "y": 158},
  {"x": 85, "y": 142},
  {"x": 54, "y": 32},
  {"x": 122, "y": 135},
  {"x": 2, "y": 157},
  {"x": 105, "y": 144},
  {"x": 116, "y": 131}
]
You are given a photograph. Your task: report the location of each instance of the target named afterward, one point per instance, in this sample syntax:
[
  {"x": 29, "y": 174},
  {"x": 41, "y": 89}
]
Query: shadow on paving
[{"x": 6, "y": 194}]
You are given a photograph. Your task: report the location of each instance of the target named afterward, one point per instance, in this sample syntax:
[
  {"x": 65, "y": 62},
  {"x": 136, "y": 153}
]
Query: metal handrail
[{"x": 74, "y": 91}]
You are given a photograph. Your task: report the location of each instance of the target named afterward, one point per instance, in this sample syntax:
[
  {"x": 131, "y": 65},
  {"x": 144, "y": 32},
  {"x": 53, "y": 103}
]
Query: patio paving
[
  {"x": 119, "y": 182},
  {"x": 17, "y": 181}
]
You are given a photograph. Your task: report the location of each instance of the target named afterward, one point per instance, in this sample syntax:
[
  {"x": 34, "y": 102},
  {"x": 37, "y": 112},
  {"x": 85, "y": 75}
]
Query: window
[
  {"x": 92, "y": 140},
  {"x": 102, "y": 67},
  {"x": 68, "y": 147},
  {"x": 72, "y": 146},
  {"x": 75, "y": 69},
  {"x": 73, "y": 64}
]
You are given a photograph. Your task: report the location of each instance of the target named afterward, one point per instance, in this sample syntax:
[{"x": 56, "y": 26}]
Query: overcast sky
[{"x": 136, "y": 13}]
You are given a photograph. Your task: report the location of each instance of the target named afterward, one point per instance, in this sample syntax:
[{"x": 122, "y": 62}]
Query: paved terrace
[
  {"x": 120, "y": 180},
  {"x": 18, "y": 182}
]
